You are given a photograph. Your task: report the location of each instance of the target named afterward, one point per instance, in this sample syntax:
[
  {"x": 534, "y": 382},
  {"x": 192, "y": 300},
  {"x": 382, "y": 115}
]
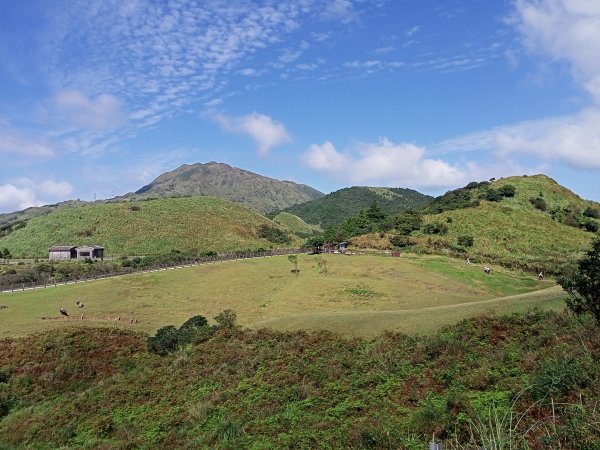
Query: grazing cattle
[
  {"x": 487, "y": 270},
  {"x": 541, "y": 276},
  {"x": 63, "y": 311},
  {"x": 468, "y": 260},
  {"x": 79, "y": 304}
]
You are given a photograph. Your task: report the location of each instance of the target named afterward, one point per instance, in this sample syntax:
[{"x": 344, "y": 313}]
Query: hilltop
[
  {"x": 528, "y": 222},
  {"x": 192, "y": 224},
  {"x": 332, "y": 209},
  {"x": 256, "y": 192}
]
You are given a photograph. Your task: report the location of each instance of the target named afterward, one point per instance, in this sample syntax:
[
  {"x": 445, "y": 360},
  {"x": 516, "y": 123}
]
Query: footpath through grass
[{"x": 352, "y": 295}]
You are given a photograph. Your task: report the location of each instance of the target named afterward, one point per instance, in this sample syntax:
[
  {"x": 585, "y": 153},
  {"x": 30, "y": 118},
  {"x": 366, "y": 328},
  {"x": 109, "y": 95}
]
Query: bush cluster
[{"x": 168, "y": 339}]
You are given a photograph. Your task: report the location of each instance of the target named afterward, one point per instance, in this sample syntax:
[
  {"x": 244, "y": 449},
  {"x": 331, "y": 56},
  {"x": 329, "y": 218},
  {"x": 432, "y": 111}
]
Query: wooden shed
[
  {"x": 93, "y": 252},
  {"x": 62, "y": 252}
]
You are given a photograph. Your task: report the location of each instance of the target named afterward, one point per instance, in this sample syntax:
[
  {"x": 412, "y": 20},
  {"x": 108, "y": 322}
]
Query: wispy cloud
[
  {"x": 564, "y": 30},
  {"x": 17, "y": 142},
  {"x": 573, "y": 139},
  {"x": 266, "y": 132},
  {"x": 76, "y": 109}
]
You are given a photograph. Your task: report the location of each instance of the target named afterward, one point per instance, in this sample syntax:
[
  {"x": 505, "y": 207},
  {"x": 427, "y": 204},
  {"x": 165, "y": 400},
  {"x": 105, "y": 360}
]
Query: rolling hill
[
  {"x": 330, "y": 210},
  {"x": 511, "y": 230},
  {"x": 145, "y": 227},
  {"x": 256, "y": 192}
]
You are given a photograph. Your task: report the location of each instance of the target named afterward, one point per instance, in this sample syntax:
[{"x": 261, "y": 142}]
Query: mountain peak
[{"x": 257, "y": 192}]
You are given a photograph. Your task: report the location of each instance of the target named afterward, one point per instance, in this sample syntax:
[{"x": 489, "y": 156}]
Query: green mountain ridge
[{"x": 330, "y": 210}]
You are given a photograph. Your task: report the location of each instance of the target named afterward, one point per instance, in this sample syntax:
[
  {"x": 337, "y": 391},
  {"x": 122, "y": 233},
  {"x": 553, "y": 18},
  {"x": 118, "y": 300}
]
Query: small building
[
  {"x": 93, "y": 252},
  {"x": 60, "y": 252}
]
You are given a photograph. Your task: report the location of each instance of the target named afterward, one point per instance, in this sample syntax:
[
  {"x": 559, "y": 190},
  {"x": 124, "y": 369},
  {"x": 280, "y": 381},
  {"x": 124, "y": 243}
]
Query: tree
[
  {"x": 375, "y": 213},
  {"x": 592, "y": 212},
  {"x": 191, "y": 327},
  {"x": 294, "y": 260},
  {"x": 583, "y": 285},
  {"x": 165, "y": 341}
]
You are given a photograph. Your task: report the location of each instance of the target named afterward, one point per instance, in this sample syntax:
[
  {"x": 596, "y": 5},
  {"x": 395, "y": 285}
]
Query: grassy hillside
[
  {"x": 254, "y": 191},
  {"x": 358, "y": 295},
  {"x": 331, "y": 209},
  {"x": 146, "y": 227},
  {"x": 531, "y": 378},
  {"x": 529, "y": 223},
  {"x": 296, "y": 224},
  {"x": 10, "y": 222},
  {"x": 513, "y": 231}
]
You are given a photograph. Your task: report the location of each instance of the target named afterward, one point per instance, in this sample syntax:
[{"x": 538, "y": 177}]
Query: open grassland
[
  {"x": 192, "y": 224},
  {"x": 359, "y": 295}
]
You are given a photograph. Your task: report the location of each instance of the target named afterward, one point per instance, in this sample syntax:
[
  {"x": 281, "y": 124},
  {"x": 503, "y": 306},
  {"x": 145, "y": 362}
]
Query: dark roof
[
  {"x": 61, "y": 248},
  {"x": 90, "y": 247}
]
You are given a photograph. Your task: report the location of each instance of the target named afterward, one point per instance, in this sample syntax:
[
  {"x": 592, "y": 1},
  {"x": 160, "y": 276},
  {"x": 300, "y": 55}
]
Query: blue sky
[{"x": 98, "y": 98}]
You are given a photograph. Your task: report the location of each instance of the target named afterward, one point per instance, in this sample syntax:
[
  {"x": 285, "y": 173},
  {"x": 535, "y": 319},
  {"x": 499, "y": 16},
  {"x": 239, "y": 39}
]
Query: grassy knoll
[
  {"x": 146, "y": 227},
  {"x": 359, "y": 295},
  {"x": 514, "y": 237},
  {"x": 295, "y": 224},
  {"x": 531, "y": 379}
]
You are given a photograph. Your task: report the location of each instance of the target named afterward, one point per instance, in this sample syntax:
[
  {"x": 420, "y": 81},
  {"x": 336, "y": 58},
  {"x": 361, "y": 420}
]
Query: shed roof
[{"x": 61, "y": 248}]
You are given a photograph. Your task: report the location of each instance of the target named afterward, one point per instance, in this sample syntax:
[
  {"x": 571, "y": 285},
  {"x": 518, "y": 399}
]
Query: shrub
[
  {"x": 538, "y": 203},
  {"x": 435, "y": 228},
  {"x": 273, "y": 234},
  {"x": 492, "y": 195},
  {"x": 226, "y": 318},
  {"x": 593, "y": 213},
  {"x": 583, "y": 285},
  {"x": 590, "y": 225},
  {"x": 165, "y": 341},
  {"x": 465, "y": 241},
  {"x": 399, "y": 240},
  {"x": 507, "y": 190},
  {"x": 557, "y": 377}
]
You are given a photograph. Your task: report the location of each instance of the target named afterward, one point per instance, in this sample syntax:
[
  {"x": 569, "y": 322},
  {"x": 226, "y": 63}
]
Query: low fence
[{"x": 190, "y": 262}]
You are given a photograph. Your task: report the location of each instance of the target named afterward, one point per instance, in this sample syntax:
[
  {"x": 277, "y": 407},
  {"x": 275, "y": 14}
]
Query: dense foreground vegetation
[{"x": 533, "y": 379}]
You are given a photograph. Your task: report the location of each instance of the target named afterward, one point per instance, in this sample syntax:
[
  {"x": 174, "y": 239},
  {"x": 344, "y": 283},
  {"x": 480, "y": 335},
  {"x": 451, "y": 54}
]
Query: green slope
[
  {"x": 512, "y": 232},
  {"x": 296, "y": 224},
  {"x": 331, "y": 209},
  {"x": 144, "y": 227}
]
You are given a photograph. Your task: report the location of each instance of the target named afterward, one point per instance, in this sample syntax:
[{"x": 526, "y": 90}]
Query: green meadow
[{"x": 358, "y": 295}]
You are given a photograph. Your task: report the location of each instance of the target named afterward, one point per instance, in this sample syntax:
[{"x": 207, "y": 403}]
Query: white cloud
[
  {"x": 266, "y": 132},
  {"x": 56, "y": 189},
  {"x": 101, "y": 113},
  {"x": 342, "y": 10},
  {"x": 24, "y": 193},
  {"x": 574, "y": 140},
  {"x": 412, "y": 31},
  {"x": 384, "y": 163},
  {"x": 13, "y": 198},
  {"x": 17, "y": 142},
  {"x": 565, "y": 30}
]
